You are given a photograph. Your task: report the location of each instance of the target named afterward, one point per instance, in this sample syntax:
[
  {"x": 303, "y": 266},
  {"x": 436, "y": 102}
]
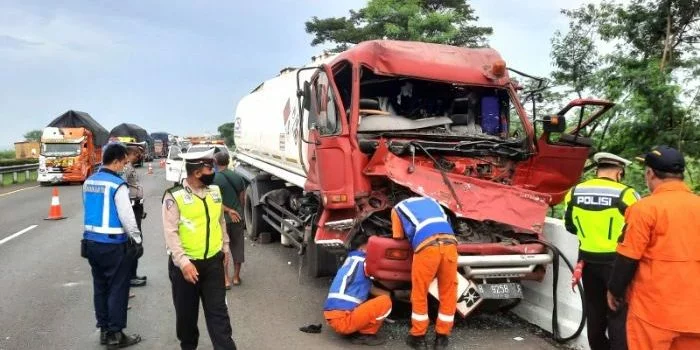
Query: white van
[{"x": 175, "y": 167}]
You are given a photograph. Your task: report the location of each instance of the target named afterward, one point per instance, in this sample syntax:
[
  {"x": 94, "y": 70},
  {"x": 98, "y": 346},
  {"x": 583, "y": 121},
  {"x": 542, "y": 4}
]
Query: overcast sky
[{"x": 181, "y": 66}]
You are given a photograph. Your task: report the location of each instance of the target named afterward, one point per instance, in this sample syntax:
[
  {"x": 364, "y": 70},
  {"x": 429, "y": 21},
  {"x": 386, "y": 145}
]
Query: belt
[{"x": 437, "y": 242}]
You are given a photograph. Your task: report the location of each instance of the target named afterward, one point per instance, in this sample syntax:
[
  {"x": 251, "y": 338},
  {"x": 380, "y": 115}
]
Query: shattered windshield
[
  {"x": 396, "y": 105},
  {"x": 60, "y": 149}
]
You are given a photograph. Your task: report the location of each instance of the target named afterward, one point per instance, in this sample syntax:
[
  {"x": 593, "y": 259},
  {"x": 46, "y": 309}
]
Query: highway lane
[{"x": 46, "y": 291}]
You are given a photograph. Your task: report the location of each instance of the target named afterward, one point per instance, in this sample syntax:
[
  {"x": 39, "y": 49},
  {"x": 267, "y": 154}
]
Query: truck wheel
[
  {"x": 252, "y": 215},
  {"x": 320, "y": 262}
]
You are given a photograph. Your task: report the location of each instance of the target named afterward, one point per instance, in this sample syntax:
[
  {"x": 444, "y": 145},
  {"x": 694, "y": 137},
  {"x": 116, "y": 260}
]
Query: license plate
[{"x": 500, "y": 291}]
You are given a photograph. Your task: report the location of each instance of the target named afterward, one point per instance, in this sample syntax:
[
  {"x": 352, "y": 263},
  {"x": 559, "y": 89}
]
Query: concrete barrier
[{"x": 536, "y": 307}]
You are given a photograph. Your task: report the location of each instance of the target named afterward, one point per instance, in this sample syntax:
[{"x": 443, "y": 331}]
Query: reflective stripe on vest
[
  {"x": 101, "y": 217},
  {"x": 422, "y": 218},
  {"x": 598, "y": 213},
  {"x": 199, "y": 227},
  {"x": 350, "y": 287}
]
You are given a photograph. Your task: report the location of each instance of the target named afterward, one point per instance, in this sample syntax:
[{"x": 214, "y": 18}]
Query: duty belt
[{"x": 437, "y": 242}]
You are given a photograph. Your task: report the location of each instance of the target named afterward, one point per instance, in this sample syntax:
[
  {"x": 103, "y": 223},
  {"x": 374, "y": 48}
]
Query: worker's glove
[
  {"x": 133, "y": 249},
  {"x": 576, "y": 276}
]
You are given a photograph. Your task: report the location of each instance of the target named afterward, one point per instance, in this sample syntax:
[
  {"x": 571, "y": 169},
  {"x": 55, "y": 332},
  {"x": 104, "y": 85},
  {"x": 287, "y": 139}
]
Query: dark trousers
[
  {"x": 210, "y": 288},
  {"x": 110, "y": 278},
  {"x": 138, "y": 213},
  {"x": 599, "y": 317}
]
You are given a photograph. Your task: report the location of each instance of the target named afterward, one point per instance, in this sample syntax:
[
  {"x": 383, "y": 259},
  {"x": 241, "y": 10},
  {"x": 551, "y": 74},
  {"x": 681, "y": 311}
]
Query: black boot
[
  {"x": 417, "y": 342},
  {"x": 140, "y": 278},
  {"x": 137, "y": 283},
  {"x": 120, "y": 340},
  {"x": 441, "y": 341},
  {"x": 367, "y": 339},
  {"x": 103, "y": 336}
]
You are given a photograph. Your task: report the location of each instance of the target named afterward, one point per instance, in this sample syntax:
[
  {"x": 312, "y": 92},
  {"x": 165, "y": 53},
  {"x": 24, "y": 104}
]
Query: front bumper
[
  {"x": 50, "y": 177},
  {"x": 478, "y": 261}
]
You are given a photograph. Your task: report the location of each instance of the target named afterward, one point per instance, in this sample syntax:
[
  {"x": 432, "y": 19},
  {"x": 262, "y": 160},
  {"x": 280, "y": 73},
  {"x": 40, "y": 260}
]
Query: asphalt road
[{"x": 46, "y": 289}]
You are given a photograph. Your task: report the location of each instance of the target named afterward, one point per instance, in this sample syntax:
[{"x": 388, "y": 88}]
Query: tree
[
  {"x": 226, "y": 132},
  {"x": 449, "y": 22},
  {"x": 33, "y": 135}
]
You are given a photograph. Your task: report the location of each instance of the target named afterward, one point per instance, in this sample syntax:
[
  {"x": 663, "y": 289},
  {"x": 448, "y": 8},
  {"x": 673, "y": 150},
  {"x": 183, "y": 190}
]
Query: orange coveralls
[
  {"x": 663, "y": 234},
  {"x": 430, "y": 261},
  {"x": 367, "y": 318}
]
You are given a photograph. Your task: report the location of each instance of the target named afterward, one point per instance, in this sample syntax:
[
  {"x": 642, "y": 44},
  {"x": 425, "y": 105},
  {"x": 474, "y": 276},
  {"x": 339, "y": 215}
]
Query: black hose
[{"x": 556, "y": 332}]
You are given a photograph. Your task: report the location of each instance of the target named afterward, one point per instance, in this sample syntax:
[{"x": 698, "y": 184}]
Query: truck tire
[
  {"x": 254, "y": 223},
  {"x": 320, "y": 263}
]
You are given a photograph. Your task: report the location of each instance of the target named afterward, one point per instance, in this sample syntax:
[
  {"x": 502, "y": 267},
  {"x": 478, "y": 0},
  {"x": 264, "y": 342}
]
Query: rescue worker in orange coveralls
[
  {"x": 424, "y": 223},
  {"x": 347, "y": 309},
  {"x": 659, "y": 260}
]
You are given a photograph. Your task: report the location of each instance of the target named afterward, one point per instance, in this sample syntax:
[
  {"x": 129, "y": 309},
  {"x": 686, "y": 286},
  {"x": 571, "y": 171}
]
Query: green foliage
[
  {"x": 226, "y": 132},
  {"x": 437, "y": 21},
  {"x": 33, "y": 135},
  {"x": 8, "y": 162},
  {"x": 7, "y": 154}
]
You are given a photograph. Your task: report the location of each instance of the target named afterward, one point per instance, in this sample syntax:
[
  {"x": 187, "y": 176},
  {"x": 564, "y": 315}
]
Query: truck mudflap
[
  {"x": 389, "y": 259},
  {"x": 473, "y": 198}
]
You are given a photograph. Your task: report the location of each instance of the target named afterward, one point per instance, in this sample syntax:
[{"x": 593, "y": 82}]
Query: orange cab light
[
  {"x": 554, "y": 120},
  {"x": 498, "y": 69},
  {"x": 396, "y": 254},
  {"x": 339, "y": 198}
]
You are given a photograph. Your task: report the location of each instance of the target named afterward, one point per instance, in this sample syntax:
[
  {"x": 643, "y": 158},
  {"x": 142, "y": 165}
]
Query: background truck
[
  {"x": 160, "y": 144},
  {"x": 330, "y": 148},
  {"x": 71, "y": 147},
  {"x": 132, "y": 134}
]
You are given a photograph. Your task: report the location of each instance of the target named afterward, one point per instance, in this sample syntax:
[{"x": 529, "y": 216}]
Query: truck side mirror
[
  {"x": 554, "y": 123},
  {"x": 307, "y": 96}
]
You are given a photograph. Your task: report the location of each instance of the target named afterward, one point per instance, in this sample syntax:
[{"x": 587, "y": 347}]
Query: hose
[{"x": 556, "y": 332}]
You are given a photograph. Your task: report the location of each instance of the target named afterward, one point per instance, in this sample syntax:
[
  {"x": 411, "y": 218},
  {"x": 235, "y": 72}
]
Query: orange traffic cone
[
  {"x": 162, "y": 163},
  {"x": 55, "y": 212},
  {"x": 150, "y": 169}
]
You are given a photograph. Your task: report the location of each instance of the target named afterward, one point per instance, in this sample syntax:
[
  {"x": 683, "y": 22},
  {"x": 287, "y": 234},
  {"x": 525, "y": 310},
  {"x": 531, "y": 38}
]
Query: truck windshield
[
  {"x": 398, "y": 105},
  {"x": 60, "y": 149}
]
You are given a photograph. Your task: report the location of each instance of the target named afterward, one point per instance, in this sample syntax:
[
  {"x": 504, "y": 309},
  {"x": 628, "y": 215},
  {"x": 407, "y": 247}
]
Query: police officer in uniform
[
  {"x": 595, "y": 212},
  {"x": 111, "y": 243},
  {"x": 424, "y": 223},
  {"x": 195, "y": 235}
]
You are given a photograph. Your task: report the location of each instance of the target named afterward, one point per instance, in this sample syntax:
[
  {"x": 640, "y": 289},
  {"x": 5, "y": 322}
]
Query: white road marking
[
  {"x": 15, "y": 235},
  {"x": 15, "y": 191}
]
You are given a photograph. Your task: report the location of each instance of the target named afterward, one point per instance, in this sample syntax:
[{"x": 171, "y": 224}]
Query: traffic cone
[
  {"x": 55, "y": 212},
  {"x": 162, "y": 163},
  {"x": 150, "y": 169}
]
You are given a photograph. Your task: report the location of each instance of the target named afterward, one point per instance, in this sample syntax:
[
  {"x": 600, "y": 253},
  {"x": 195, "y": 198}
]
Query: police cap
[
  {"x": 601, "y": 158},
  {"x": 199, "y": 158}
]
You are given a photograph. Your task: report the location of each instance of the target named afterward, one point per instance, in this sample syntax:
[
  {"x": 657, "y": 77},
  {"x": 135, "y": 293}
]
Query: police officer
[
  {"x": 424, "y": 223},
  {"x": 111, "y": 243},
  {"x": 195, "y": 235},
  {"x": 595, "y": 212}
]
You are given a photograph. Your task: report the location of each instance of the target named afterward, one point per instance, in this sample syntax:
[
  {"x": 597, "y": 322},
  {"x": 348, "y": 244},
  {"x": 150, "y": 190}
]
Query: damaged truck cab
[{"x": 330, "y": 148}]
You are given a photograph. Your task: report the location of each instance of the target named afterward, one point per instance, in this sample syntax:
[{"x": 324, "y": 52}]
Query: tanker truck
[{"x": 329, "y": 148}]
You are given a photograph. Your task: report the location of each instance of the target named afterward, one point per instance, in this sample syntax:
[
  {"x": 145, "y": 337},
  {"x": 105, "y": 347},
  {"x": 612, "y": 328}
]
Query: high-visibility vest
[
  {"x": 199, "y": 227},
  {"x": 595, "y": 212},
  {"x": 101, "y": 221},
  {"x": 422, "y": 218},
  {"x": 351, "y": 286}
]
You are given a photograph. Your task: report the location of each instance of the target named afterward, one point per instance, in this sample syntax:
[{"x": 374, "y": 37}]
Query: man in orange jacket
[
  {"x": 347, "y": 309},
  {"x": 657, "y": 267},
  {"x": 424, "y": 223}
]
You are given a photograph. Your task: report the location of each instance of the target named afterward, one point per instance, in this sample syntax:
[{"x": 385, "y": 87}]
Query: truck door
[{"x": 330, "y": 157}]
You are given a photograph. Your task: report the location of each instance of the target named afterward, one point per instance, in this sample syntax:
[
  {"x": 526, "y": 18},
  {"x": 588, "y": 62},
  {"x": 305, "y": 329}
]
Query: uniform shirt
[
  {"x": 132, "y": 180},
  {"x": 398, "y": 232},
  {"x": 171, "y": 220},
  {"x": 663, "y": 234},
  {"x": 231, "y": 185}
]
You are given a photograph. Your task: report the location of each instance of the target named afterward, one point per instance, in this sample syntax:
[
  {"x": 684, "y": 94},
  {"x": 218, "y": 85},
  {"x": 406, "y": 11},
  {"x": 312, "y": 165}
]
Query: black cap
[{"x": 664, "y": 158}]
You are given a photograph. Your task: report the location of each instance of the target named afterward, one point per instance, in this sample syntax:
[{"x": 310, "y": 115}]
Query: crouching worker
[{"x": 347, "y": 309}]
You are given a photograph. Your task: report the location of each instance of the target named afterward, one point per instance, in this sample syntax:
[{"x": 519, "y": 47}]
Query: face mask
[{"x": 207, "y": 179}]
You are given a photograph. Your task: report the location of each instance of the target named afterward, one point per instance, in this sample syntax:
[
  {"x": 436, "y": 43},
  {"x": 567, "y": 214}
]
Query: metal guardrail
[{"x": 17, "y": 168}]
